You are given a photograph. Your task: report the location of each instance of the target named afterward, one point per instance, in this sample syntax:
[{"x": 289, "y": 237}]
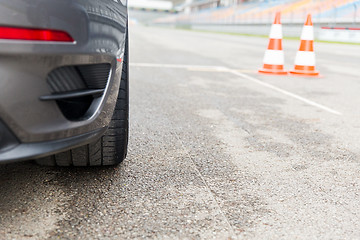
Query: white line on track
[
  {"x": 312, "y": 103},
  {"x": 242, "y": 75},
  {"x": 188, "y": 67}
]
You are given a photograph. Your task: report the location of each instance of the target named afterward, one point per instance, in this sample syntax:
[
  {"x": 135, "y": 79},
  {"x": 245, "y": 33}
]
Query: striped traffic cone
[
  {"x": 305, "y": 57},
  {"x": 274, "y": 55}
]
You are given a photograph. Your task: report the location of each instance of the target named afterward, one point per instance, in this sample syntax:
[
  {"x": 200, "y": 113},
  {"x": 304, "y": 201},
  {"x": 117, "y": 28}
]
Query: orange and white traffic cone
[
  {"x": 274, "y": 55},
  {"x": 305, "y": 57}
]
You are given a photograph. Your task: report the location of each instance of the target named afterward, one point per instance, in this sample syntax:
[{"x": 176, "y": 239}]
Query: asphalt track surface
[{"x": 217, "y": 151}]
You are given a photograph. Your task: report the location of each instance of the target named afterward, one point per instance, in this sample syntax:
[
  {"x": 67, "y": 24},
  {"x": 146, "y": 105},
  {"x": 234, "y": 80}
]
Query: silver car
[{"x": 64, "y": 81}]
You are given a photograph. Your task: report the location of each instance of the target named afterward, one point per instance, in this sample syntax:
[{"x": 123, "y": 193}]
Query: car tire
[{"x": 111, "y": 148}]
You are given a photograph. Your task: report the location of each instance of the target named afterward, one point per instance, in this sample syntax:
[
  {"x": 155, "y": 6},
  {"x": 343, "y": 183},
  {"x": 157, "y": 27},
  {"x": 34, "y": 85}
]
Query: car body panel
[{"x": 99, "y": 30}]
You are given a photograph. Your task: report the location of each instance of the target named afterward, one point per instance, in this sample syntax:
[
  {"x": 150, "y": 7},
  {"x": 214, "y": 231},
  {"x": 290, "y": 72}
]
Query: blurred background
[{"x": 334, "y": 20}]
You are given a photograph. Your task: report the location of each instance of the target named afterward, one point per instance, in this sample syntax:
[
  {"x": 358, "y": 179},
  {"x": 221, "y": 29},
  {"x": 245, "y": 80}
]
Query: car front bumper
[{"x": 12, "y": 150}]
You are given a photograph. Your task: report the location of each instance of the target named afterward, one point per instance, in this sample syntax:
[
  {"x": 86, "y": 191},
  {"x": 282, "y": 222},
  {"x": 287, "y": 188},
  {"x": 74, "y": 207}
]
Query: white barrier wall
[
  {"x": 259, "y": 29},
  {"x": 351, "y": 35},
  {"x": 340, "y": 35}
]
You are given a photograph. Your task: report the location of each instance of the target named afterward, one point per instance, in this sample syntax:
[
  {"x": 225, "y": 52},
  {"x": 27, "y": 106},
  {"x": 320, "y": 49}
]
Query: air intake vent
[
  {"x": 75, "y": 87},
  {"x": 65, "y": 79},
  {"x": 95, "y": 76}
]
